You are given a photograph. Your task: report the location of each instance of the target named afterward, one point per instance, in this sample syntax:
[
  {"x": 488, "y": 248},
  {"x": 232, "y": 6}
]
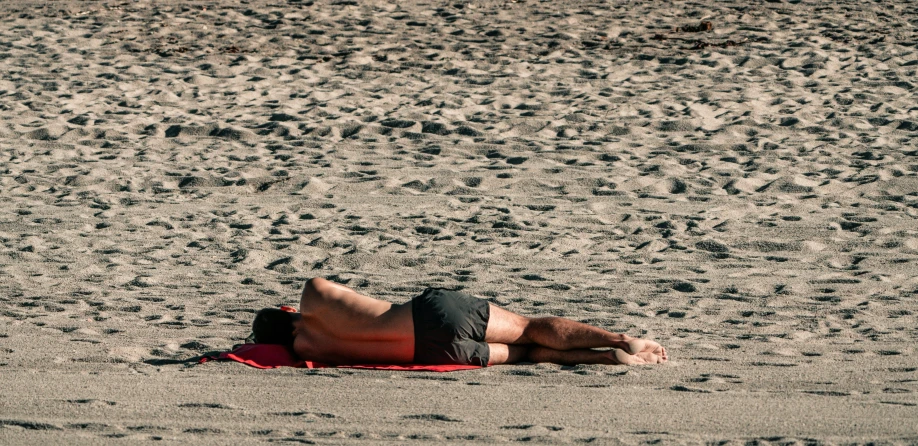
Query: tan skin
[{"x": 337, "y": 325}]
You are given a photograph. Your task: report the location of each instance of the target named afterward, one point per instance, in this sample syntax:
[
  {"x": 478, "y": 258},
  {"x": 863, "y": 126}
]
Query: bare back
[{"x": 341, "y": 326}]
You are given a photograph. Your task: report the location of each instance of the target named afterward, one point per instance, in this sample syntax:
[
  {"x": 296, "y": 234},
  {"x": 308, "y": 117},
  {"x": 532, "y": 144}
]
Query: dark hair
[{"x": 273, "y": 326}]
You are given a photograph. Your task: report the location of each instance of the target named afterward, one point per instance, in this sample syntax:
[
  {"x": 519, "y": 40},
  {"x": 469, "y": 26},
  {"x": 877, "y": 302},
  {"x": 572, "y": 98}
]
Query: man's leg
[
  {"x": 558, "y": 333},
  {"x": 511, "y": 354},
  {"x": 506, "y": 354}
]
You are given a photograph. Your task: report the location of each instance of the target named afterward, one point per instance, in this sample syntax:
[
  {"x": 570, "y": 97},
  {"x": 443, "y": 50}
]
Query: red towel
[{"x": 271, "y": 356}]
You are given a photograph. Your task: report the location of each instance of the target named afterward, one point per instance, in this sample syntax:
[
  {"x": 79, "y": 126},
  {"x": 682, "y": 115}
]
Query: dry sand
[{"x": 747, "y": 195}]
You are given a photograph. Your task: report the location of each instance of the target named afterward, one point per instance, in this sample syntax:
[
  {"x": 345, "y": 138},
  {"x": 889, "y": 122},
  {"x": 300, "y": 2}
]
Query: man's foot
[
  {"x": 637, "y": 346},
  {"x": 651, "y": 358},
  {"x": 622, "y": 357}
]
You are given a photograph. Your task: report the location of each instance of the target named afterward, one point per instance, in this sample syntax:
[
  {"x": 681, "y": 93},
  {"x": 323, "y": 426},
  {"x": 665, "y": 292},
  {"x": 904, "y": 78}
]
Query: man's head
[{"x": 274, "y": 326}]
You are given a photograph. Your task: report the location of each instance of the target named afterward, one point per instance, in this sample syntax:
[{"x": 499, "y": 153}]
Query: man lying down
[{"x": 337, "y": 325}]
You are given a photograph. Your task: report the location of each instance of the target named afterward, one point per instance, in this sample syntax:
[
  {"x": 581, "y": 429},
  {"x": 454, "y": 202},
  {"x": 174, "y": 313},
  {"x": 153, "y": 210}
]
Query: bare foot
[
  {"x": 622, "y": 357},
  {"x": 636, "y": 346},
  {"x": 650, "y": 358}
]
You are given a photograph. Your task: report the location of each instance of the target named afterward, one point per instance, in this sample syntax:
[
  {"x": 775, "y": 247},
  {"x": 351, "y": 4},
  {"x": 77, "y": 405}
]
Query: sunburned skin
[{"x": 337, "y": 325}]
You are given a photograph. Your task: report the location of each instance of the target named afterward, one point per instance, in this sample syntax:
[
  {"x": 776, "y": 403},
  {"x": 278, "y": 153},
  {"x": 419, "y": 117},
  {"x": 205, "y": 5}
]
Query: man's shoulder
[{"x": 321, "y": 293}]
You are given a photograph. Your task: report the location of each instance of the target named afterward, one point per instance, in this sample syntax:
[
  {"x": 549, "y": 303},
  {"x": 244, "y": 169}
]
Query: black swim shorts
[{"x": 449, "y": 328}]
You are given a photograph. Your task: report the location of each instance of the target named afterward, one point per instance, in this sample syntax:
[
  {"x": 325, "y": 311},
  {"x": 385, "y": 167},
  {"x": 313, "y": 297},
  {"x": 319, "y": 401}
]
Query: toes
[
  {"x": 650, "y": 358},
  {"x": 644, "y": 352},
  {"x": 653, "y": 347}
]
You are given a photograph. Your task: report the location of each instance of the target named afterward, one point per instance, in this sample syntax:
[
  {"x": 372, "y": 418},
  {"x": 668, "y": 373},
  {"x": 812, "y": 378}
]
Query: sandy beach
[{"x": 736, "y": 180}]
